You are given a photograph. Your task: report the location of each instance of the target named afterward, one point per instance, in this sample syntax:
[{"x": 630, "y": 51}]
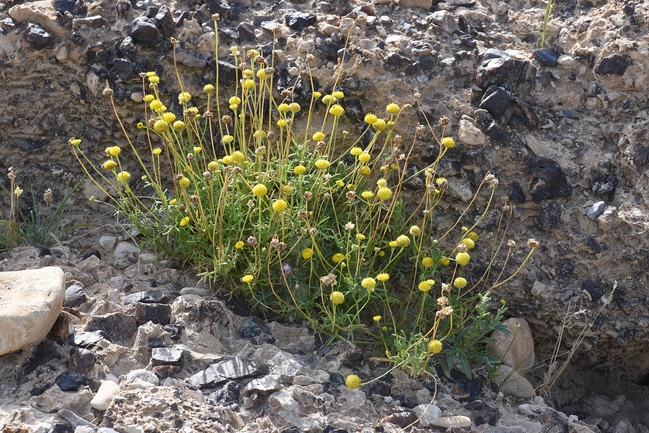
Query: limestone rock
[
  {"x": 427, "y": 413},
  {"x": 515, "y": 349},
  {"x": 39, "y": 12},
  {"x": 512, "y": 383},
  {"x": 104, "y": 395},
  {"x": 470, "y": 134},
  {"x": 30, "y": 302}
]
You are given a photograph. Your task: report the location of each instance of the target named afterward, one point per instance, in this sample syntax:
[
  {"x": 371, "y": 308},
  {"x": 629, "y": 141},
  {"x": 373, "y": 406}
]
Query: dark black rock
[
  {"x": 336, "y": 379},
  {"x": 144, "y": 31},
  {"x": 397, "y": 60},
  {"x": 614, "y": 64},
  {"x": 124, "y": 69},
  {"x": 167, "y": 356},
  {"x": 220, "y": 7},
  {"x": 628, "y": 10},
  {"x": 228, "y": 394},
  {"x": 258, "y": 333},
  {"x": 128, "y": 49},
  {"x": 546, "y": 56},
  {"x": 495, "y": 101},
  {"x": 61, "y": 428},
  {"x": 81, "y": 360},
  {"x": 407, "y": 402},
  {"x": 156, "y": 313},
  {"x": 44, "y": 352},
  {"x": 150, "y": 296},
  {"x": 88, "y": 339},
  {"x": 164, "y": 21},
  {"x": 327, "y": 48},
  {"x": 593, "y": 290},
  {"x": 74, "y": 296},
  {"x": 496, "y": 133},
  {"x": 192, "y": 58},
  {"x": 118, "y": 326},
  {"x": 570, "y": 114},
  {"x": 504, "y": 71},
  {"x": 530, "y": 118},
  {"x": 592, "y": 242},
  {"x": 291, "y": 429},
  {"x": 331, "y": 429},
  {"x": 70, "y": 380},
  {"x": 548, "y": 180},
  {"x": 482, "y": 413},
  {"x": 36, "y": 36},
  {"x": 549, "y": 215},
  {"x": 230, "y": 33},
  {"x": 231, "y": 369},
  {"x": 594, "y": 89},
  {"x": 401, "y": 419},
  {"x": 604, "y": 185},
  {"x": 246, "y": 31},
  {"x": 77, "y": 38},
  {"x": 380, "y": 388},
  {"x": 352, "y": 357},
  {"x": 156, "y": 342},
  {"x": 28, "y": 144},
  {"x": 299, "y": 20},
  {"x": 468, "y": 40},
  {"x": 174, "y": 330},
  {"x": 516, "y": 193}
]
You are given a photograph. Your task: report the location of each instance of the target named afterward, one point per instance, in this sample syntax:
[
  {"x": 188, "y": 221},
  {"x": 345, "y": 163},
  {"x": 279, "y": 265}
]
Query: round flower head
[
  {"x": 367, "y": 194},
  {"x": 213, "y": 166},
  {"x": 179, "y": 125},
  {"x": 169, "y": 117},
  {"x": 427, "y": 262},
  {"x": 380, "y": 125},
  {"x": 338, "y": 257},
  {"x": 109, "y": 165},
  {"x": 381, "y": 182},
  {"x": 294, "y": 107},
  {"x": 473, "y": 236},
  {"x": 364, "y": 157},
  {"x": 248, "y": 83},
  {"x": 355, "y": 151},
  {"x": 338, "y": 94},
  {"x": 337, "y": 298},
  {"x": 435, "y": 346},
  {"x": 318, "y": 136},
  {"x": 370, "y": 119},
  {"x": 327, "y": 99},
  {"x": 392, "y": 108},
  {"x": 336, "y": 110},
  {"x": 383, "y": 277},
  {"x": 403, "y": 241},
  {"x": 299, "y": 169},
  {"x": 462, "y": 258},
  {"x": 160, "y": 126},
  {"x": 239, "y": 245},
  {"x": 184, "y": 182},
  {"x": 261, "y": 74},
  {"x": 384, "y": 193},
  {"x": 156, "y": 105},
  {"x": 148, "y": 98},
  {"x": 282, "y": 108},
  {"x": 415, "y": 230},
  {"x": 259, "y": 190},
  {"x": 113, "y": 150},
  {"x": 208, "y": 88},
  {"x": 237, "y": 157},
  {"x": 247, "y": 278},
  {"x": 279, "y": 205},
  {"x": 468, "y": 242},
  {"x": 227, "y": 139},
  {"x": 352, "y": 381},
  {"x": 448, "y": 142},
  {"x": 368, "y": 283},
  {"x": 74, "y": 142},
  {"x": 234, "y": 100},
  {"x": 123, "y": 176},
  {"x": 322, "y": 164},
  {"x": 184, "y": 221},
  {"x": 460, "y": 282},
  {"x": 307, "y": 253},
  {"x": 425, "y": 286},
  {"x": 365, "y": 171}
]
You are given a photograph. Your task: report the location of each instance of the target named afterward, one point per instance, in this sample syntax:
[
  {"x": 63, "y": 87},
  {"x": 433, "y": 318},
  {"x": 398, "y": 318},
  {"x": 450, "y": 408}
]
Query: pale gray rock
[
  {"x": 446, "y": 422},
  {"x": 301, "y": 408},
  {"x": 291, "y": 339},
  {"x": 470, "y": 134},
  {"x": 75, "y": 420},
  {"x": 107, "y": 242},
  {"x": 516, "y": 349},
  {"x": 427, "y": 413},
  {"x": 264, "y": 385},
  {"x": 424, "y": 4},
  {"x": 137, "y": 378},
  {"x": 30, "y": 302},
  {"x": 512, "y": 383},
  {"x": 53, "y": 400},
  {"x": 107, "y": 390}
]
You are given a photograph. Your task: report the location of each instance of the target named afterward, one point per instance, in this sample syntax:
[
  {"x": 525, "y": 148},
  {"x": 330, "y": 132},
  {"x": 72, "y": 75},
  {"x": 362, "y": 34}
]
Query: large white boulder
[{"x": 30, "y": 302}]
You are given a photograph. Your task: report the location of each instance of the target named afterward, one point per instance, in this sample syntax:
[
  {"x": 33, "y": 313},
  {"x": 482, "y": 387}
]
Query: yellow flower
[
  {"x": 156, "y": 104},
  {"x": 462, "y": 258},
  {"x": 113, "y": 150},
  {"x": 148, "y": 98},
  {"x": 160, "y": 126},
  {"x": 322, "y": 164},
  {"x": 340, "y": 183},
  {"x": 448, "y": 142},
  {"x": 415, "y": 230},
  {"x": 227, "y": 139},
  {"x": 360, "y": 236},
  {"x": 338, "y": 257},
  {"x": 259, "y": 134},
  {"x": 140, "y": 125},
  {"x": 356, "y": 151},
  {"x": 367, "y": 194},
  {"x": 381, "y": 182},
  {"x": 370, "y": 119},
  {"x": 365, "y": 171},
  {"x": 239, "y": 245},
  {"x": 294, "y": 107},
  {"x": 237, "y": 157},
  {"x": 299, "y": 169},
  {"x": 248, "y": 83},
  {"x": 197, "y": 149},
  {"x": 376, "y": 318},
  {"x": 184, "y": 182},
  {"x": 247, "y": 278},
  {"x": 179, "y": 125},
  {"x": 282, "y": 108},
  {"x": 109, "y": 165},
  {"x": 261, "y": 74},
  {"x": 169, "y": 117},
  {"x": 468, "y": 242},
  {"x": 74, "y": 142},
  {"x": 392, "y": 108},
  {"x": 123, "y": 176},
  {"x": 279, "y": 205},
  {"x": 184, "y": 221},
  {"x": 424, "y": 286},
  {"x": 336, "y": 110},
  {"x": 403, "y": 241},
  {"x": 383, "y": 277},
  {"x": 247, "y": 73},
  {"x": 213, "y": 166},
  {"x": 259, "y": 190},
  {"x": 352, "y": 381},
  {"x": 227, "y": 160},
  {"x": 473, "y": 236},
  {"x": 287, "y": 189},
  {"x": 282, "y": 123},
  {"x": 18, "y": 191},
  {"x": 208, "y": 88},
  {"x": 307, "y": 253},
  {"x": 427, "y": 262},
  {"x": 380, "y": 125},
  {"x": 364, "y": 157},
  {"x": 318, "y": 136},
  {"x": 154, "y": 80},
  {"x": 234, "y": 100},
  {"x": 384, "y": 193},
  {"x": 368, "y": 283},
  {"x": 156, "y": 151},
  {"x": 338, "y": 94},
  {"x": 460, "y": 282},
  {"x": 445, "y": 261},
  {"x": 337, "y": 298},
  {"x": 316, "y": 95},
  {"x": 435, "y": 346},
  {"x": 393, "y": 244},
  {"x": 172, "y": 201}
]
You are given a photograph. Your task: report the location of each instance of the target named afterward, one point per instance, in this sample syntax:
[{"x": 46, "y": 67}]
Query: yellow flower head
[
  {"x": 337, "y": 298},
  {"x": 109, "y": 165},
  {"x": 380, "y": 125},
  {"x": 261, "y": 74},
  {"x": 327, "y": 99},
  {"x": 156, "y": 104},
  {"x": 248, "y": 83},
  {"x": 307, "y": 253},
  {"x": 384, "y": 193},
  {"x": 364, "y": 157},
  {"x": 427, "y": 262},
  {"x": 365, "y": 171},
  {"x": 113, "y": 151},
  {"x": 448, "y": 142},
  {"x": 403, "y": 241},
  {"x": 123, "y": 176},
  {"x": 259, "y": 190},
  {"x": 287, "y": 189},
  {"x": 336, "y": 110},
  {"x": 425, "y": 286},
  {"x": 415, "y": 230},
  {"x": 376, "y": 318},
  {"x": 360, "y": 236},
  {"x": 445, "y": 261},
  {"x": 237, "y": 157},
  {"x": 184, "y": 182},
  {"x": 356, "y": 151},
  {"x": 247, "y": 278},
  {"x": 322, "y": 164},
  {"x": 462, "y": 258},
  {"x": 282, "y": 108},
  {"x": 352, "y": 381},
  {"x": 282, "y": 123},
  {"x": 239, "y": 245},
  {"x": 227, "y": 160},
  {"x": 160, "y": 126},
  {"x": 435, "y": 346},
  {"x": 74, "y": 142},
  {"x": 208, "y": 88},
  {"x": 148, "y": 98},
  {"x": 383, "y": 277},
  {"x": 468, "y": 242},
  {"x": 184, "y": 221},
  {"x": 213, "y": 166},
  {"x": 294, "y": 107},
  {"x": 392, "y": 108},
  {"x": 179, "y": 125},
  {"x": 197, "y": 149},
  {"x": 279, "y": 205},
  {"x": 169, "y": 117},
  {"x": 368, "y": 283},
  {"x": 473, "y": 236},
  {"x": 338, "y": 94},
  {"x": 227, "y": 139},
  {"x": 370, "y": 119},
  {"x": 338, "y": 257},
  {"x": 367, "y": 194},
  {"x": 318, "y": 136},
  {"x": 299, "y": 169},
  {"x": 234, "y": 100},
  {"x": 381, "y": 182},
  {"x": 154, "y": 79},
  {"x": 460, "y": 282}
]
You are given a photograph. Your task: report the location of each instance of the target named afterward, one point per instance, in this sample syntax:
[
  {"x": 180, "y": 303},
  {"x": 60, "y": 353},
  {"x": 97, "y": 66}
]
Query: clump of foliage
[{"x": 305, "y": 220}]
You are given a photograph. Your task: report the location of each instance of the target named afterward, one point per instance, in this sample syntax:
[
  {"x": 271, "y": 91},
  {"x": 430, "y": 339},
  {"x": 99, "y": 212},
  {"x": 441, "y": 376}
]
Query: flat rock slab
[{"x": 30, "y": 302}]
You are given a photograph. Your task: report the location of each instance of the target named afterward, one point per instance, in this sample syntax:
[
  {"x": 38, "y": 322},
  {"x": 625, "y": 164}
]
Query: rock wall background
[{"x": 564, "y": 129}]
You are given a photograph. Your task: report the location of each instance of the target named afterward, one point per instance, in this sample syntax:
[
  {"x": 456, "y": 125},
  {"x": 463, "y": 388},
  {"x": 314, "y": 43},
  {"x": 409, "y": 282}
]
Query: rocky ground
[{"x": 564, "y": 129}]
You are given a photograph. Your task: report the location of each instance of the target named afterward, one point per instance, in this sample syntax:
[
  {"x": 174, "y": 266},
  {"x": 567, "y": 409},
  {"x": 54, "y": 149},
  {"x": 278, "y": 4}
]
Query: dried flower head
[
  {"x": 532, "y": 243},
  {"x": 511, "y": 243},
  {"x": 252, "y": 241},
  {"x": 329, "y": 280},
  {"x": 48, "y": 197}
]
